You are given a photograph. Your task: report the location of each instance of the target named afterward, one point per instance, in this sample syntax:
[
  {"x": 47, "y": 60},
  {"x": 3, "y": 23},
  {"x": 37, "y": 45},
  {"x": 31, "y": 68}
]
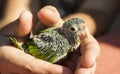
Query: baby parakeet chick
[{"x": 53, "y": 44}]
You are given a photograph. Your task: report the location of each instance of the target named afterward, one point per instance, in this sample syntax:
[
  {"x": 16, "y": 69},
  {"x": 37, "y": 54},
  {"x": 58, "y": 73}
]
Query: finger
[
  {"x": 22, "y": 63},
  {"x": 49, "y": 16},
  {"x": 81, "y": 70},
  {"x": 20, "y": 27},
  {"x": 90, "y": 50},
  {"x": 25, "y": 23}
]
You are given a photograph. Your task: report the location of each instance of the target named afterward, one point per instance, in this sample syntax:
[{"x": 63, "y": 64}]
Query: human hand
[
  {"x": 90, "y": 50},
  {"x": 16, "y": 61},
  {"x": 83, "y": 60}
]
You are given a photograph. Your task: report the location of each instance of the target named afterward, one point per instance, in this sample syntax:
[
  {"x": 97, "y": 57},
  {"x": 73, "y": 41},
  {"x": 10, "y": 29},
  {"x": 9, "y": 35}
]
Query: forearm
[
  {"x": 13, "y": 9},
  {"x": 98, "y": 14}
]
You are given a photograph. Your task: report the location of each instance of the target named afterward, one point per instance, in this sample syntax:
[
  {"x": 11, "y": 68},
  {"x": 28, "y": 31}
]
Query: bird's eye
[{"x": 73, "y": 29}]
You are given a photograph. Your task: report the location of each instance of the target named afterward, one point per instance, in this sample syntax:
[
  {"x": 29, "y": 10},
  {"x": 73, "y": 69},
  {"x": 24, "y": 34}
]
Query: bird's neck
[{"x": 72, "y": 38}]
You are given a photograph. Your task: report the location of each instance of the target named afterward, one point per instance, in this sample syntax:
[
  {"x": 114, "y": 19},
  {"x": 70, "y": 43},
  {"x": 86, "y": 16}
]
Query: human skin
[
  {"x": 86, "y": 62},
  {"x": 17, "y": 61}
]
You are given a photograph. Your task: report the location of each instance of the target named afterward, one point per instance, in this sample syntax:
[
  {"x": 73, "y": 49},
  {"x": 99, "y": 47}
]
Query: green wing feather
[{"x": 52, "y": 52}]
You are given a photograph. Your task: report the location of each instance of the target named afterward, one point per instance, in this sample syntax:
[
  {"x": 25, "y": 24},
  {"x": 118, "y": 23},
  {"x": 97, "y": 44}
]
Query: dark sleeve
[
  {"x": 65, "y": 7},
  {"x": 2, "y": 7},
  {"x": 102, "y": 11}
]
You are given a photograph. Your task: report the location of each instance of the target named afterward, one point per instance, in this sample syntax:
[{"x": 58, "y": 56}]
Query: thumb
[{"x": 20, "y": 27}]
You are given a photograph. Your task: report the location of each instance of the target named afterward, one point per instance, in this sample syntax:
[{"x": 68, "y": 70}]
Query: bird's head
[{"x": 74, "y": 27}]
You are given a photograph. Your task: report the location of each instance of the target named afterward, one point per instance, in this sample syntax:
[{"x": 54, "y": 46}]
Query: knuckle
[
  {"x": 29, "y": 66},
  {"x": 32, "y": 66}
]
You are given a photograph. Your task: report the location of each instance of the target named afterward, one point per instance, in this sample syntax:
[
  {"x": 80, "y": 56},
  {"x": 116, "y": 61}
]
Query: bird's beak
[{"x": 84, "y": 32}]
